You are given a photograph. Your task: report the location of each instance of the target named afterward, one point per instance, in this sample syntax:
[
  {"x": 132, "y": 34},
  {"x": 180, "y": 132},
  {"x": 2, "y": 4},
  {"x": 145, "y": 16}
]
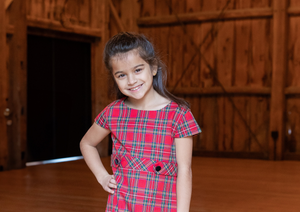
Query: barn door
[{"x": 59, "y": 97}]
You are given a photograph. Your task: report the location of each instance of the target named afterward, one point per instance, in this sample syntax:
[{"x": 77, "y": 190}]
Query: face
[{"x": 133, "y": 75}]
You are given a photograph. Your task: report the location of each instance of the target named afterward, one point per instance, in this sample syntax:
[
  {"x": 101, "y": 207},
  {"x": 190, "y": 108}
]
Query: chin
[{"x": 136, "y": 97}]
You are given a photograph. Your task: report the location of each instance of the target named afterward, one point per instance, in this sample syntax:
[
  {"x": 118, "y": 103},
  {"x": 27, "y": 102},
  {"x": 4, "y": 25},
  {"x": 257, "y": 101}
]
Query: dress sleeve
[
  {"x": 187, "y": 126},
  {"x": 101, "y": 119}
]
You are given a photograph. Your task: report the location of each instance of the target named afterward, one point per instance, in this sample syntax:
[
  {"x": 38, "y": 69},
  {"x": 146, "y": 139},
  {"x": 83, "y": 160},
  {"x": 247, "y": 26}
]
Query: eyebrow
[{"x": 118, "y": 72}]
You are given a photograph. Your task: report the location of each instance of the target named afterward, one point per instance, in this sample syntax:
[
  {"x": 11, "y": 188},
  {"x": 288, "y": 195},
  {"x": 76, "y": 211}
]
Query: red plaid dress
[{"x": 144, "y": 158}]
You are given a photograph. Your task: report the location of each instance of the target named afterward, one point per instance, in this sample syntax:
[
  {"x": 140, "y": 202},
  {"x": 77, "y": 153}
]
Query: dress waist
[{"x": 144, "y": 164}]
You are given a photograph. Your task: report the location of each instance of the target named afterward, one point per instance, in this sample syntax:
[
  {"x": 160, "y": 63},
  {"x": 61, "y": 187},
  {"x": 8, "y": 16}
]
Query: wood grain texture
[
  {"x": 4, "y": 89},
  {"x": 292, "y": 138},
  {"x": 7, "y": 3},
  {"x": 113, "y": 25},
  {"x": 130, "y": 12},
  {"x": 17, "y": 97},
  {"x": 116, "y": 17},
  {"x": 292, "y": 124},
  {"x": 68, "y": 16},
  {"x": 219, "y": 185},
  {"x": 260, "y": 76},
  {"x": 205, "y": 16},
  {"x": 56, "y": 26},
  {"x": 244, "y": 49},
  {"x": 278, "y": 79},
  {"x": 294, "y": 3},
  {"x": 101, "y": 82}
]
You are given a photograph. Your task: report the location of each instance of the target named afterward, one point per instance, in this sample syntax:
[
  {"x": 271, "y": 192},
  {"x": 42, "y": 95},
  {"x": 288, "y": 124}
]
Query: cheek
[
  {"x": 150, "y": 77},
  {"x": 120, "y": 84}
]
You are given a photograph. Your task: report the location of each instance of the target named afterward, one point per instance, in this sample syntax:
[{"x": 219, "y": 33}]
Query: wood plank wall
[
  {"x": 80, "y": 17},
  {"x": 85, "y": 20},
  {"x": 235, "y": 54},
  {"x": 13, "y": 81},
  {"x": 292, "y": 118},
  {"x": 3, "y": 89},
  {"x": 82, "y": 20},
  {"x": 224, "y": 60}
]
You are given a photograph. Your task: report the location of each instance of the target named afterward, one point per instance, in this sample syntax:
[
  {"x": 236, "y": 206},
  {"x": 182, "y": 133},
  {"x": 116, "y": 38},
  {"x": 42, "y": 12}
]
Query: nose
[{"x": 131, "y": 79}]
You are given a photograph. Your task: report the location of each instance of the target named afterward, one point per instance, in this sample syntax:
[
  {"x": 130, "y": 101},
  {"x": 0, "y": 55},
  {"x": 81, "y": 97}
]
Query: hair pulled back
[{"x": 124, "y": 42}]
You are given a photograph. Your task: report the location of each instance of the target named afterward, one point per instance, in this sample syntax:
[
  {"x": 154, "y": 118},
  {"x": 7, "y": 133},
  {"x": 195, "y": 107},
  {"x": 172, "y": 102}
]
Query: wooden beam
[
  {"x": 206, "y": 16},
  {"x": 17, "y": 100},
  {"x": 8, "y": 3},
  {"x": 3, "y": 90},
  {"x": 116, "y": 16},
  {"x": 100, "y": 84},
  {"x": 229, "y": 154},
  {"x": 10, "y": 29},
  {"x": 292, "y": 90},
  {"x": 277, "y": 109},
  {"x": 291, "y": 156},
  {"x": 219, "y": 91},
  {"x": 60, "y": 35},
  {"x": 57, "y": 26},
  {"x": 294, "y": 10}
]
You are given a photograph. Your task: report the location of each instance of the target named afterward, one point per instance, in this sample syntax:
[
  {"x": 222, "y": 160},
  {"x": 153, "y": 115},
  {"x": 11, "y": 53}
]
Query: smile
[{"x": 136, "y": 88}]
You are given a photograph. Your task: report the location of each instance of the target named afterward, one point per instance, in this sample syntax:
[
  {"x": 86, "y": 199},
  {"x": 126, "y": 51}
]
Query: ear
[{"x": 154, "y": 70}]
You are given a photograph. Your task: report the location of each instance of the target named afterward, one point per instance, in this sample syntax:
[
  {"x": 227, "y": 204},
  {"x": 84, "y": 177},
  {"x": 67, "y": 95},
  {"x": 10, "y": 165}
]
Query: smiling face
[{"x": 133, "y": 75}]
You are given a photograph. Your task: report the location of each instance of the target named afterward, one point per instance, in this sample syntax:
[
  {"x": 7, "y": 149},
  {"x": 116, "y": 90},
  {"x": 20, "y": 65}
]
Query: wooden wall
[
  {"x": 235, "y": 61},
  {"x": 292, "y": 90},
  {"x": 234, "y": 54},
  {"x": 83, "y": 20}
]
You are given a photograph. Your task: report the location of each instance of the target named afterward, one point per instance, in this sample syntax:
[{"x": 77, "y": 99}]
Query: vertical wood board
[
  {"x": 3, "y": 89},
  {"x": 69, "y": 13},
  {"x": 292, "y": 124},
  {"x": 278, "y": 80},
  {"x": 17, "y": 80}
]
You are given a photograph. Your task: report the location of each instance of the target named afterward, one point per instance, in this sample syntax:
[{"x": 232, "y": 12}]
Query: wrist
[{"x": 101, "y": 177}]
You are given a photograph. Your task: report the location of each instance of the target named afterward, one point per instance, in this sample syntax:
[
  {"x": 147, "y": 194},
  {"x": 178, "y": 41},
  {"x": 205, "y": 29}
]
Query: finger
[
  {"x": 109, "y": 190},
  {"x": 111, "y": 185},
  {"x": 113, "y": 181}
]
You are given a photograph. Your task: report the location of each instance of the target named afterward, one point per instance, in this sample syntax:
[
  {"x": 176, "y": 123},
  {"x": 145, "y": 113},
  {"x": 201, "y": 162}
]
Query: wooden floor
[{"x": 219, "y": 185}]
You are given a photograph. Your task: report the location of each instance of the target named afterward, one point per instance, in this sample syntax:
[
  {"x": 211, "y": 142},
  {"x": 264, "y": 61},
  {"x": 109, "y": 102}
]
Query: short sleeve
[
  {"x": 101, "y": 119},
  {"x": 187, "y": 126}
]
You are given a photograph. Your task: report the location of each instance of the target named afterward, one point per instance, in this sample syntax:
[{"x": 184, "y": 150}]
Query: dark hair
[{"x": 125, "y": 42}]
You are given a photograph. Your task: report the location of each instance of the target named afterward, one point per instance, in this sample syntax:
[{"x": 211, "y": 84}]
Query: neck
[
  {"x": 152, "y": 101},
  {"x": 144, "y": 103}
]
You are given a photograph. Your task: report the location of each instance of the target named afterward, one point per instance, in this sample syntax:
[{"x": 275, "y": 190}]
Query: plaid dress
[{"x": 144, "y": 157}]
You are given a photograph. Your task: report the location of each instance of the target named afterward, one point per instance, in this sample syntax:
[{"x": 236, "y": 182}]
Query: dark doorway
[{"x": 59, "y": 97}]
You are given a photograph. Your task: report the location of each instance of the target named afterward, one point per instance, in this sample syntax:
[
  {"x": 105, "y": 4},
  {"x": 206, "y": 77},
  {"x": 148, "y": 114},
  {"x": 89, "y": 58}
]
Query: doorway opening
[{"x": 58, "y": 97}]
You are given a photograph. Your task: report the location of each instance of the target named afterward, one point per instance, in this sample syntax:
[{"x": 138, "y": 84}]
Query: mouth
[{"x": 136, "y": 88}]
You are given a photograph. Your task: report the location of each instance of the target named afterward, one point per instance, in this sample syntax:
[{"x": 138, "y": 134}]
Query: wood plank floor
[{"x": 219, "y": 185}]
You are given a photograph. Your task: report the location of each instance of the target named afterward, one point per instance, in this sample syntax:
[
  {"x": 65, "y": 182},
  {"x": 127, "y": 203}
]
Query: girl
[{"x": 151, "y": 132}]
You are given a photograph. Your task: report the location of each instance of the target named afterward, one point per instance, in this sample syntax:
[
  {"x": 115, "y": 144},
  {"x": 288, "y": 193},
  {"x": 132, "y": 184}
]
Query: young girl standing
[{"x": 151, "y": 132}]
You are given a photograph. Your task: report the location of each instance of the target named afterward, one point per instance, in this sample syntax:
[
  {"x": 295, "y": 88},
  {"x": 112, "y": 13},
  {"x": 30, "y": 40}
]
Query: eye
[
  {"x": 138, "y": 70},
  {"x": 121, "y": 76}
]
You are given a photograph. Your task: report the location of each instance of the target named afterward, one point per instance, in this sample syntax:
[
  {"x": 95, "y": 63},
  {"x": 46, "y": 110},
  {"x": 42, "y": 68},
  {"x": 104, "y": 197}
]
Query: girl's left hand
[{"x": 109, "y": 183}]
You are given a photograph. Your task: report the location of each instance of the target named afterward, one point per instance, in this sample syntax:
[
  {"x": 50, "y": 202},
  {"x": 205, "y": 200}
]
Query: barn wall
[
  {"x": 3, "y": 87},
  {"x": 235, "y": 61},
  {"x": 223, "y": 56},
  {"x": 239, "y": 56},
  {"x": 13, "y": 86},
  {"x": 83, "y": 20},
  {"x": 292, "y": 119}
]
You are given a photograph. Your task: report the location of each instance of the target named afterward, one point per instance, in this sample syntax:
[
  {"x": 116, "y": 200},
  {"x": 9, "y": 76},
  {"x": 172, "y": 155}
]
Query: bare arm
[
  {"x": 184, "y": 148},
  {"x": 91, "y": 156}
]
